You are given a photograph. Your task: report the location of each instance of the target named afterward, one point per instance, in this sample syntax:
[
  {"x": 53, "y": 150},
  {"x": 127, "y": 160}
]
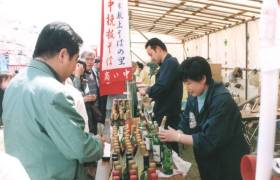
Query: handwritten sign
[{"x": 115, "y": 51}]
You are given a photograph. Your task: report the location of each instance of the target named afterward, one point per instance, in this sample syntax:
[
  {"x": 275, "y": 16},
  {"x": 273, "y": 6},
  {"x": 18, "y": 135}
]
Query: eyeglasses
[{"x": 89, "y": 59}]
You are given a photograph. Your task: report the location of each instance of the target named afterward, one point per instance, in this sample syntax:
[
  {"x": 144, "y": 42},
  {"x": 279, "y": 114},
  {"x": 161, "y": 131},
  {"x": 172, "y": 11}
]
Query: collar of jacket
[
  {"x": 43, "y": 66},
  {"x": 208, "y": 95},
  {"x": 215, "y": 89},
  {"x": 166, "y": 57}
]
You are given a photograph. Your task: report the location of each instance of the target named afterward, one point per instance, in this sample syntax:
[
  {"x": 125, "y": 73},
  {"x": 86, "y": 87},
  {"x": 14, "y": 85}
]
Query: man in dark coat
[
  {"x": 167, "y": 91},
  {"x": 211, "y": 123}
]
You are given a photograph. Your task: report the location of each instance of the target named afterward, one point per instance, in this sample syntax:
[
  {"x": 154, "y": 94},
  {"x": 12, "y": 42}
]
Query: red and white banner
[{"x": 115, "y": 54}]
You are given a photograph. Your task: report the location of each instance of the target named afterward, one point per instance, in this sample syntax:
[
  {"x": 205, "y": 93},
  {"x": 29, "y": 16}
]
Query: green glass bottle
[
  {"x": 143, "y": 129},
  {"x": 155, "y": 127},
  {"x": 167, "y": 162},
  {"x": 121, "y": 138},
  {"x": 144, "y": 173},
  {"x": 156, "y": 146},
  {"x": 133, "y": 136},
  {"x": 125, "y": 174}
]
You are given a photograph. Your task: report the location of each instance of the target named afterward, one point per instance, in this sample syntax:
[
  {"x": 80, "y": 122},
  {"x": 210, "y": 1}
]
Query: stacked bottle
[
  {"x": 128, "y": 138},
  {"x": 117, "y": 168},
  {"x": 120, "y": 112}
]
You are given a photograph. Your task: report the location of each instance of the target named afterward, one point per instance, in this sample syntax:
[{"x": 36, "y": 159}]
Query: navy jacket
[
  {"x": 167, "y": 92},
  {"x": 218, "y": 139}
]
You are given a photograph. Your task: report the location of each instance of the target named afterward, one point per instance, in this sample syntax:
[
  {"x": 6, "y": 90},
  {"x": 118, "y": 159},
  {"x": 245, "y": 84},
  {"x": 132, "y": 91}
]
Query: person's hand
[
  {"x": 100, "y": 128},
  {"x": 86, "y": 98},
  {"x": 90, "y": 98},
  {"x": 142, "y": 91},
  {"x": 102, "y": 139},
  {"x": 169, "y": 135},
  {"x": 79, "y": 70},
  {"x": 106, "y": 139}
]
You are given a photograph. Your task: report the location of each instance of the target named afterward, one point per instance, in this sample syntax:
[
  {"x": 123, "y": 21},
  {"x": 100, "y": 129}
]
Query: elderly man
[
  {"x": 90, "y": 91},
  {"x": 42, "y": 127}
]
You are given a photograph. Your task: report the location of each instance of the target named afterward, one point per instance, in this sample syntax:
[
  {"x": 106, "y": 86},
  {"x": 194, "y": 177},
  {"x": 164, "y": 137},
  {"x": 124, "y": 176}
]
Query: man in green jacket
[{"x": 42, "y": 127}]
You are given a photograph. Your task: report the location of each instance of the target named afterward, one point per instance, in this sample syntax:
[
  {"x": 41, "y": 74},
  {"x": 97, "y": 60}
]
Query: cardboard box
[{"x": 216, "y": 71}]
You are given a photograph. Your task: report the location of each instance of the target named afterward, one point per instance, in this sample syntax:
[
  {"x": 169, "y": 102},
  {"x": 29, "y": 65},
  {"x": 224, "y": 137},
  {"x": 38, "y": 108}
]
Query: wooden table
[
  {"x": 104, "y": 170},
  {"x": 247, "y": 116},
  {"x": 251, "y": 122}
]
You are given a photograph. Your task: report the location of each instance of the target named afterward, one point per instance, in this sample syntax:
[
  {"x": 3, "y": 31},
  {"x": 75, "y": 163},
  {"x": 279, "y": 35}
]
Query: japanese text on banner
[{"x": 115, "y": 55}]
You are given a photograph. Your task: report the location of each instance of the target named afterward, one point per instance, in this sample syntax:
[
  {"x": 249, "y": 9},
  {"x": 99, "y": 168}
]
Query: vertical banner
[{"x": 115, "y": 54}]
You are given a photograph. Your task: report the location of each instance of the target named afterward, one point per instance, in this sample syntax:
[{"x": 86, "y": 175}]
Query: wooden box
[{"x": 216, "y": 71}]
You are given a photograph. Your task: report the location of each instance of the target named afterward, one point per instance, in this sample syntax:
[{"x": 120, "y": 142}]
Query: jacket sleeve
[
  {"x": 184, "y": 120},
  {"x": 219, "y": 127},
  {"x": 168, "y": 74},
  {"x": 65, "y": 128},
  {"x": 77, "y": 84}
]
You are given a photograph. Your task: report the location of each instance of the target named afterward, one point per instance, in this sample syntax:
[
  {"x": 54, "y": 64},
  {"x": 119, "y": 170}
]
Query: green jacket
[{"x": 42, "y": 127}]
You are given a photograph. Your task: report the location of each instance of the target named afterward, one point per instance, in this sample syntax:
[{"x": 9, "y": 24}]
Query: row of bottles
[
  {"x": 121, "y": 112},
  {"x": 131, "y": 137},
  {"x": 149, "y": 171},
  {"x": 130, "y": 171},
  {"x": 161, "y": 152}
]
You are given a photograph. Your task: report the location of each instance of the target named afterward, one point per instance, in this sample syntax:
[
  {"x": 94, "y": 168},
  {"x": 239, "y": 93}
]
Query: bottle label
[
  {"x": 192, "y": 120},
  {"x": 156, "y": 153},
  {"x": 120, "y": 133},
  {"x": 144, "y": 134},
  {"x": 147, "y": 143},
  {"x": 87, "y": 89}
]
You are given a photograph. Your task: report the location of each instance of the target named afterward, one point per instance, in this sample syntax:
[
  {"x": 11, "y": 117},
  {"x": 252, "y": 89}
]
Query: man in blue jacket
[
  {"x": 167, "y": 91},
  {"x": 211, "y": 123}
]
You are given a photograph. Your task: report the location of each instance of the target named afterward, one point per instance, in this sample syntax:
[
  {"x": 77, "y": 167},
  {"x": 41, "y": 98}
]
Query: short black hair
[
  {"x": 56, "y": 36},
  {"x": 194, "y": 68},
  {"x": 140, "y": 65},
  {"x": 154, "y": 42},
  {"x": 97, "y": 60},
  {"x": 82, "y": 63}
]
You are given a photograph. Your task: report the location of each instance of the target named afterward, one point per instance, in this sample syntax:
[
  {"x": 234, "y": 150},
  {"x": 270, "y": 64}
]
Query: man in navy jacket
[
  {"x": 167, "y": 91},
  {"x": 211, "y": 123}
]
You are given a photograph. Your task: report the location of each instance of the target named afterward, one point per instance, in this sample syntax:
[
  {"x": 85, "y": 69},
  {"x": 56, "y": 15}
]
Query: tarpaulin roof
[{"x": 190, "y": 19}]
